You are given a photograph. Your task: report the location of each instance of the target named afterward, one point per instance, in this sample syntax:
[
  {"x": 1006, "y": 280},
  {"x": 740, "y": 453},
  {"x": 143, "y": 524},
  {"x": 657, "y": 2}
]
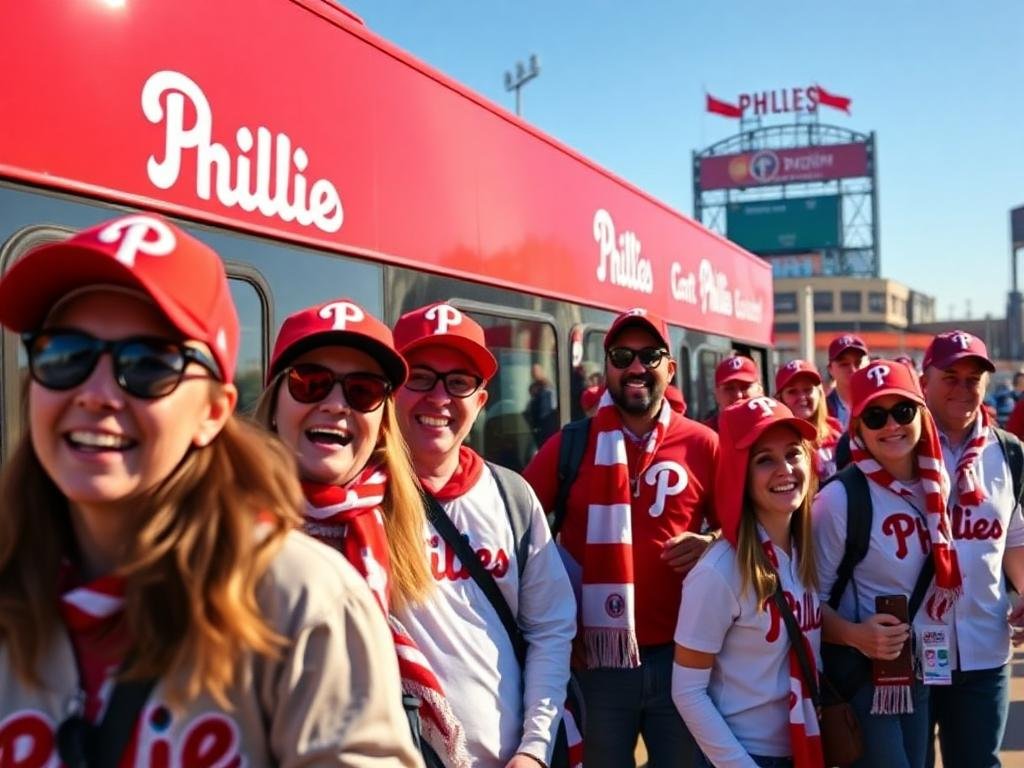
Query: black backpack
[{"x": 570, "y": 456}]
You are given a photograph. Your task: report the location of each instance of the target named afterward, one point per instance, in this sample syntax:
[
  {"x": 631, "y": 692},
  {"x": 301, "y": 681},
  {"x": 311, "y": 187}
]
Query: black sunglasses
[
  {"x": 456, "y": 383},
  {"x": 144, "y": 367},
  {"x": 311, "y": 383},
  {"x": 650, "y": 357},
  {"x": 876, "y": 417}
]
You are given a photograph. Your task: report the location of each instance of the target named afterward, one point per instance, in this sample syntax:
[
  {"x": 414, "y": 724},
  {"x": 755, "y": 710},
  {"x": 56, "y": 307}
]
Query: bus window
[
  {"x": 588, "y": 371},
  {"x": 707, "y": 361},
  {"x": 252, "y": 316},
  {"x": 522, "y": 405},
  {"x": 683, "y": 374}
]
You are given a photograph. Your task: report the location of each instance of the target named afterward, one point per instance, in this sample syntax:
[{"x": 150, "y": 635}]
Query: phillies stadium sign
[{"x": 805, "y": 99}]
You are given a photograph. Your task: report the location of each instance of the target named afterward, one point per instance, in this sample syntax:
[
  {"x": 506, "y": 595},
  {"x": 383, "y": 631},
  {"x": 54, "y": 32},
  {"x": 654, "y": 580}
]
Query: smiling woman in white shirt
[
  {"x": 894, "y": 445},
  {"x": 735, "y": 667}
]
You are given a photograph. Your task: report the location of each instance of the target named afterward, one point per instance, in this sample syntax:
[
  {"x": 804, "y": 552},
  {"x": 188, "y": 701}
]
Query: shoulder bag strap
[
  {"x": 796, "y": 638},
  {"x": 460, "y": 544},
  {"x": 115, "y": 730}
]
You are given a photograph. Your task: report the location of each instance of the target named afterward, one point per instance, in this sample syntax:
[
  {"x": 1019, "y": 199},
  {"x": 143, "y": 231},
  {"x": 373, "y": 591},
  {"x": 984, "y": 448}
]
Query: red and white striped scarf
[
  {"x": 948, "y": 585},
  {"x": 608, "y": 610},
  {"x": 351, "y": 520},
  {"x": 804, "y": 729},
  {"x": 89, "y": 611},
  {"x": 970, "y": 492}
]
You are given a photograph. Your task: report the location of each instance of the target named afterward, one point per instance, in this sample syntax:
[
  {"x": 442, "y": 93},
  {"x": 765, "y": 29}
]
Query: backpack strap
[
  {"x": 1013, "y": 452},
  {"x": 483, "y": 578},
  {"x": 858, "y": 527},
  {"x": 83, "y": 745},
  {"x": 575, "y": 435},
  {"x": 842, "y": 453},
  {"x": 518, "y": 501}
]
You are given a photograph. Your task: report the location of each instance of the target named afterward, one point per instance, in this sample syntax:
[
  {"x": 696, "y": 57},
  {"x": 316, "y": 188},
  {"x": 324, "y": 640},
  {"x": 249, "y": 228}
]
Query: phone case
[{"x": 903, "y": 665}]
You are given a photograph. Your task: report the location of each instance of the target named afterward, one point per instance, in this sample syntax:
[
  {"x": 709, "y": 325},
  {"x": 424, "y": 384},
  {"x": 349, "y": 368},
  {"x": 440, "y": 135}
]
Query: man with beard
[{"x": 633, "y": 523}]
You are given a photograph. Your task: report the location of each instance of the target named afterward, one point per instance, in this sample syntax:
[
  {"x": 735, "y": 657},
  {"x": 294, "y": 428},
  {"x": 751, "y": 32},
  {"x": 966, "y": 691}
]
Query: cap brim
[
  {"x": 785, "y": 382},
  {"x": 803, "y": 427},
  {"x": 952, "y": 360},
  {"x": 859, "y": 408},
  {"x": 483, "y": 361},
  {"x": 34, "y": 285},
  {"x": 746, "y": 378},
  {"x": 847, "y": 348},
  {"x": 392, "y": 363}
]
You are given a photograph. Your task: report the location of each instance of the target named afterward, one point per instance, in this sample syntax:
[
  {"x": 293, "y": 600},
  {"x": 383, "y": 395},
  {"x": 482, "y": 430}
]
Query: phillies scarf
[
  {"x": 608, "y": 610},
  {"x": 351, "y": 520},
  {"x": 825, "y": 455},
  {"x": 970, "y": 491},
  {"x": 948, "y": 585},
  {"x": 804, "y": 731},
  {"x": 89, "y": 612}
]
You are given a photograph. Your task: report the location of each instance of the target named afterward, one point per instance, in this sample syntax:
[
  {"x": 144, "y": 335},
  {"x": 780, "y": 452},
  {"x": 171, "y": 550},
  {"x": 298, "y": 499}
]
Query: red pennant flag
[
  {"x": 841, "y": 103},
  {"x": 723, "y": 108}
]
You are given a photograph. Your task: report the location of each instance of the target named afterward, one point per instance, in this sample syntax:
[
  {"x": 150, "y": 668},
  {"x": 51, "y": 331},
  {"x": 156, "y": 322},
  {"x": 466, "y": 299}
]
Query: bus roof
[{"x": 289, "y": 118}]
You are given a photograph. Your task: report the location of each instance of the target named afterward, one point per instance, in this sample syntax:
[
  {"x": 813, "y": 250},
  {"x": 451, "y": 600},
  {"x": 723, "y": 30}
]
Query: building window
[
  {"x": 876, "y": 302},
  {"x": 824, "y": 301},
  {"x": 785, "y": 302},
  {"x": 850, "y": 301}
]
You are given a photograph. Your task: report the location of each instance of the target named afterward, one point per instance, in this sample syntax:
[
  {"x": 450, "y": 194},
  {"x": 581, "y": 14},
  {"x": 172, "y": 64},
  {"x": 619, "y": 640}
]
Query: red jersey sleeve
[
  {"x": 1015, "y": 423},
  {"x": 542, "y": 471}
]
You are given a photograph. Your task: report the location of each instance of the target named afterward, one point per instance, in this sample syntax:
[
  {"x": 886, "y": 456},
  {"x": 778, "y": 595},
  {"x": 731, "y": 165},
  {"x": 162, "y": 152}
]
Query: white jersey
[
  {"x": 897, "y": 550},
  {"x": 750, "y": 679},
  {"x": 332, "y": 699},
  {"x": 502, "y": 709},
  {"x": 982, "y": 534}
]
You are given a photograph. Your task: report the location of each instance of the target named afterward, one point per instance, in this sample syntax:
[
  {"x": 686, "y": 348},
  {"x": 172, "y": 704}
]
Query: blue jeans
[
  {"x": 971, "y": 717},
  {"x": 894, "y": 741},
  {"x": 763, "y": 761},
  {"x": 622, "y": 704}
]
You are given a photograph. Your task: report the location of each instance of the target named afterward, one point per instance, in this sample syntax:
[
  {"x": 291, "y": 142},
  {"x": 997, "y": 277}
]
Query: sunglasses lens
[
  {"x": 650, "y": 357},
  {"x": 149, "y": 369},
  {"x": 904, "y": 412},
  {"x": 875, "y": 417},
  {"x": 621, "y": 357},
  {"x": 62, "y": 360},
  {"x": 309, "y": 383},
  {"x": 364, "y": 391}
]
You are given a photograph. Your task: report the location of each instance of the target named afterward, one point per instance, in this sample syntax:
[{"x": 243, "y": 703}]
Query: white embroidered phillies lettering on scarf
[
  {"x": 446, "y": 316},
  {"x": 134, "y": 233},
  {"x": 343, "y": 312}
]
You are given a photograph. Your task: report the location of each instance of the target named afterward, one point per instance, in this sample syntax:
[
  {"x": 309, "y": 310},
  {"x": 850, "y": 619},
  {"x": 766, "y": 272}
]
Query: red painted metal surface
[{"x": 290, "y": 119}]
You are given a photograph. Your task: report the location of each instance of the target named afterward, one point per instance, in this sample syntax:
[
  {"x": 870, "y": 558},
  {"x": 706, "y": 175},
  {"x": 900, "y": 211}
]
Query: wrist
[{"x": 534, "y": 758}]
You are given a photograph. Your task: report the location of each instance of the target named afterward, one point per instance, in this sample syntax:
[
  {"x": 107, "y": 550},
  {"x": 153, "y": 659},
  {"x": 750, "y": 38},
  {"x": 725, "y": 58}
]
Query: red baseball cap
[
  {"x": 882, "y": 377},
  {"x": 736, "y": 368},
  {"x": 740, "y": 425},
  {"x": 840, "y": 344},
  {"x": 182, "y": 276},
  {"x": 640, "y": 317},
  {"x": 951, "y": 346},
  {"x": 791, "y": 370},
  {"x": 341, "y": 323},
  {"x": 447, "y": 326},
  {"x": 590, "y": 396}
]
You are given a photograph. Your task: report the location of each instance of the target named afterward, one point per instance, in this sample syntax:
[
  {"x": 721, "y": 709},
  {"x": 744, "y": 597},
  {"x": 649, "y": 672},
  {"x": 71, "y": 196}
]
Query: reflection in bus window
[
  {"x": 683, "y": 374},
  {"x": 588, "y": 375},
  {"x": 707, "y": 360},
  {"x": 250, "y": 372},
  {"x": 522, "y": 405}
]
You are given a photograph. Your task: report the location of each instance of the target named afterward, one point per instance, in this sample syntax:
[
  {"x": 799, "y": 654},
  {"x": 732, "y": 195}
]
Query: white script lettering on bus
[
  {"x": 275, "y": 160},
  {"x": 621, "y": 264}
]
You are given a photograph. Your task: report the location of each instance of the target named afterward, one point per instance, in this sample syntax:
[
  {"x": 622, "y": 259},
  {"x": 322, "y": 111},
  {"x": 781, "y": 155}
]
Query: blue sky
[{"x": 941, "y": 83}]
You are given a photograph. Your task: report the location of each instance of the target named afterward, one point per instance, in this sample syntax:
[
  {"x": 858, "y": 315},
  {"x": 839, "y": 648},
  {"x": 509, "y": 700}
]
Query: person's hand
[
  {"x": 880, "y": 636},
  {"x": 523, "y": 760},
  {"x": 682, "y": 552},
  {"x": 1016, "y": 619}
]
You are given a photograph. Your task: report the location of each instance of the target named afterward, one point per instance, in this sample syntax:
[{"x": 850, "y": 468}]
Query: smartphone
[{"x": 902, "y": 666}]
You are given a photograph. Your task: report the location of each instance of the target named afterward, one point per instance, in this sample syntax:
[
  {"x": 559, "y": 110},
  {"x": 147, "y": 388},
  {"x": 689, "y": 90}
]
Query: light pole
[{"x": 523, "y": 74}]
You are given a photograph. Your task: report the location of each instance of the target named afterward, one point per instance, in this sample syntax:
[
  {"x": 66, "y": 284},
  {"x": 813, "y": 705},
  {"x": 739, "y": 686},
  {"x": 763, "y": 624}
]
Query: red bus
[{"x": 321, "y": 161}]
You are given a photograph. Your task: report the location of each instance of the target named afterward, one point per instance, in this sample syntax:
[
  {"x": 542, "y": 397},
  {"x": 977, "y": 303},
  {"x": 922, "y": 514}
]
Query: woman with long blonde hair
[
  {"x": 156, "y": 604},
  {"x": 330, "y": 398},
  {"x": 798, "y": 386},
  {"x": 735, "y": 665}
]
